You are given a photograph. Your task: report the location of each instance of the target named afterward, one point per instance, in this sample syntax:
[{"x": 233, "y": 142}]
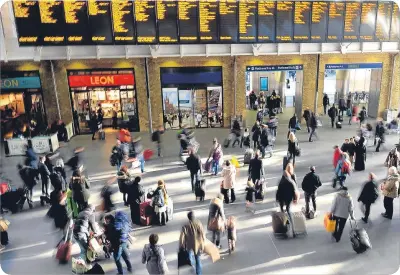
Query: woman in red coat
[{"x": 336, "y": 155}]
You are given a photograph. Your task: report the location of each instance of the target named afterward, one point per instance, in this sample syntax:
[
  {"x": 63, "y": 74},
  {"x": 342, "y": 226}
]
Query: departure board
[
  {"x": 228, "y": 21},
  {"x": 335, "y": 21},
  {"x": 52, "y": 26},
  {"x": 352, "y": 21},
  {"x": 167, "y": 15},
  {"x": 284, "y": 21},
  {"x": 76, "y": 23},
  {"x": 368, "y": 21},
  {"x": 247, "y": 21},
  {"x": 122, "y": 21},
  {"x": 395, "y": 26},
  {"x": 302, "y": 18},
  {"x": 145, "y": 15},
  {"x": 382, "y": 30},
  {"x": 187, "y": 17},
  {"x": 27, "y": 20},
  {"x": 100, "y": 22},
  {"x": 319, "y": 21},
  {"x": 266, "y": 21},
  {"x": 208, "y": 28}
]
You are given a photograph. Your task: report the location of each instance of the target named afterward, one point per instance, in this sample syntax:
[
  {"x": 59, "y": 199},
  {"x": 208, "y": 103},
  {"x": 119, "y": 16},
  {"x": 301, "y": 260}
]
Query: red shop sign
[{"x": 100, "y": 80}]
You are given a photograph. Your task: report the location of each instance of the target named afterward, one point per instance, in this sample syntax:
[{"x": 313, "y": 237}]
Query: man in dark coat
[
  {"x": 293, "y": 123},
  {"x": 332, "y": 113},
  {"x": 29, "y": 178},
  {"x": 313, "y": 126},
  {"x": 193, "y": 164},
  {"x": 45, "y": 175},
  {"x": 325, "y": 102},
  {"x": 256, "y": 130},
  {"x": 307, "y": 116},
  {"x": 310, "y": 184},
  {"x": 264, "y": 140},
  {"x": 368, "y": 195},
  {"x": 31, "y": 157},
  {"x": 135, "y": 194},
  {"x": 380, "y": 133},
  {"x": 256, "y": 169}
]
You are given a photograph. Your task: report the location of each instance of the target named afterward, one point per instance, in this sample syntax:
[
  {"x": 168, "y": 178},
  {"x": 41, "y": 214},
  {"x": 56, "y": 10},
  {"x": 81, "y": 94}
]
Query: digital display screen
[
  {"x": 382, "y": 30},
  {"x": 51, "y": 22},
  {"x": 228, "y": 21},
  {"x": 145, "y": 15},
  {"x": 100, "y": 22},
  {"x": 302, "y": 15},
  {"x": 368, "y": 21},
  {"x": 122, "y": 21},
  {"x": 395, "y": 26},
  {"x": 247, "y": 21},
  {"x": 27, "y": 20},
  {"x": 319, "y": 21},
  {"x": 284, "y": 21},
  {"x": 352, "y": 21},
  {"x": 266, "y": 21},
  {"x": 76, "y": 23},
  {"x": 208, "y": 10},
  {"x": 167, "y": 15},
  {"x": 188, "y": 15},
  {"x": 335, "y": 21}
]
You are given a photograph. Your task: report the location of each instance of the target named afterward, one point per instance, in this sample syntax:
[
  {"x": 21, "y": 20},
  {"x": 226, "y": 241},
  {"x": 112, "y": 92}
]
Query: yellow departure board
[
  {"x": 247, "y": 21},
  {"x": 319, "y": 21},
  {"x": 352, "y": 21},
  {"x": 27, "y": 19},
  {"x": 208, "y": 20},
  {"x": 187, "y": 17},
  {"x": 52, "y": 21},
  {"x": 145, "y": 21},
  {"x": 228, "y": 10},
  {"x": 383, "y": 21},
  {"x": 100, "y": 21},
  {"x": 122, "y": 20},
  {"x": 167, "y": 14},
  {"x": 368, "y": 21}
]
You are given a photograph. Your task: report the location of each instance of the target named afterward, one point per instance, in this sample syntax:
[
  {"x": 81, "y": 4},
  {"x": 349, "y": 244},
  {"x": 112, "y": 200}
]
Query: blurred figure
[
  {"x": 106, "y": 194},
  {"x": 193, "y": 164},
  {"x": 380, "y": 134},
  {"x": 124, "y": 181},
  {"x": 216, "y": 155},
  {"x": 362, "y": 116},
  {"x": 29, "y": 178},
  {"x": 31, "y": 157},
  {"x": 369, "y": 194},
  {"x": 325, "y": 102},
  {"x": 80, "y": 190},
  {"x": 307, "y": 116},
  {"x": 76, "y": 162},
  {"x": 156, "y": 137},
  {"x": 337, "y": 153},
  {"x": 236, "y": 131},
  {"x": 153, "y": 256},
  {"x": 216, "y": 219},
  {"x": 390, "y": 191},
  {"x": 44, "y": 174},
  {"x": 117, "y": 155}
]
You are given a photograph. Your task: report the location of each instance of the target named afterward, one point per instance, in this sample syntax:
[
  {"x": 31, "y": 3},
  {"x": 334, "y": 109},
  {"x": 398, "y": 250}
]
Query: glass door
[
  {"x": 186, "y": 108},
  {"x": 170, "y": 108},
  {"x": 200, "y": 107},
  {"x": 214, "y": 106},
  {"x": 80, "y": 102}
]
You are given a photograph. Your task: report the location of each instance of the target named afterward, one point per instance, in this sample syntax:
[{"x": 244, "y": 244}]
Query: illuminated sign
[
  {"x": 100, "y": 80},
  {"x": 29, "y": 82}
]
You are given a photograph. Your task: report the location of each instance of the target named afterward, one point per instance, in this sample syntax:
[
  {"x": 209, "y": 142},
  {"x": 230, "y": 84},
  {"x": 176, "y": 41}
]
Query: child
[
  {"x": 231, "y": 226},
  {"x": 250, "y": 197},
  {"x": 245, "y": 138}
]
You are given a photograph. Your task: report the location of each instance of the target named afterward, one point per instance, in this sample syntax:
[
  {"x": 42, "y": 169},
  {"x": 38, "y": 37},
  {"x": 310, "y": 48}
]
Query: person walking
[
  {"x": 369, "y": 194},
  {"x": 307, "y": 116},
  {"x": 156, "y": 137},
  {"x": 59, "y": 170},
  {"x": 216, "y": 155},
  {"x": 216, "y": 219},
  {"x": 264, "y": 140},
  {"x": 313, "y": 126},
  {"x": 31, "y": 157},
  {"x": 135, "y": 197},
  {"x": 114, "y": 118},
  {"x": 342, "y": 207},
  {"x": 361, "y": 153},
  {"x": 310, "y": 184},
  {"x": 333, "y": 113},
  {"x": 192, "y": 239},
  {"x": 293, "y": 147},
  {"x": 256, "y": 169},
  {"x": 390, "y": 191},
  {"x": 193, "y": 164},
  {"x": 342, "y": 170},
  {"x": 124, "y": 180},
  {"x": 80, "y": 190},
  {"x": 76, "y": 123},
  {"x": 337, "y": 154},
  {"x": 380, "y": 134},
  {"x": 325, "y": 102},
  {"x": 93, "y": 125},
  {"x": 236, "y": 132},
  {"x": 106, "y": 193},
  {"x": 256, "y": 130},
  {"x": 229, "y": 175},
  {"x": 362, "y": 116},
  {"x": 117, "y": 155},
  {"x": 293, "y": 123},
  {"x": 136, "y": 151},
  {"x": 29, "y": 178},
  {"x": 44, "y": 174},
  {"x": 154, "y": 257}
]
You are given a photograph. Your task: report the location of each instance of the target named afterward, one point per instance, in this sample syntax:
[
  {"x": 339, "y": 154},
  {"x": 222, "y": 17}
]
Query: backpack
[
  {"x": 56, "y": 180},
  {"x": 345, "y": 168},
  {"x": 159, "y": 199},
  {"x": 113, "y": 159}
]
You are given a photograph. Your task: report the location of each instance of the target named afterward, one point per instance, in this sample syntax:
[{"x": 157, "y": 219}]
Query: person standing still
[
  {"x": 390, "y": 191},
  {"x": 45, "y": 175},
  {"x": 229, "y": 175},
  {"x": 310, "y": 184},
  {"x": 114, "y": 118},
  {"x": 76, "y": 122},
  {"x": 368, "y": 195},
  {"x": 325, "y": 102},
  {"x": 256, "y": 169},
  {"x": 332, "y": 113},
  {"x": 157, "y": 139},
  {"x": 93, "y": 125}
]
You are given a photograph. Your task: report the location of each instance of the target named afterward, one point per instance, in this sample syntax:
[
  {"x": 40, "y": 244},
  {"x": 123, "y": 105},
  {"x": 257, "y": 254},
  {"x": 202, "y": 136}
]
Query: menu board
[
  {"x": 76, "y": 23},
  {"x": 368, "y": 21},
  {"x": 100, "y": 22},
  {"x": 228, "y": 21},
  {"x": 395, "y": 26},
  {"x": 167, "y": 15},
  {"x": 302, "y": 18},
  {"x": 187, "y": 17},
  {"x": 208, "y": 28},
  {"x": 382, "y": 30},
  {"x": 319, "y": 21},
  {"x": 27, "y": 20},
  {"x": 284, "y": 21},
  {"x": 352, "y": 21},
  {"x": 247, "y": 21},
  {"x": 145, "y": 15},
  {"x": 335, "y": 21},
  {"x": 52, "y": 22},
  {"x": 266, "y": 21},
  {"x": 122, "y": 21}
]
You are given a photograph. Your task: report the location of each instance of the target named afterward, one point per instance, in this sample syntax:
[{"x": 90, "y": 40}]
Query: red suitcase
[
  {"x": 4, "y": 187},
  {"x": 146, "y": 213},
  {"x": 147, "y": 154}
]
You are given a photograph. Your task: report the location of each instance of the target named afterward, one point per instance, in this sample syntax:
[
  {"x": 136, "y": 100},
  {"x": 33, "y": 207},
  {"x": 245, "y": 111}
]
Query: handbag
[
  {"x": 329, "y": 223},
  {"x": 4, "y": 225},
  {"x": 183, "y": 258},
  {"x": 216, "y": 224}
]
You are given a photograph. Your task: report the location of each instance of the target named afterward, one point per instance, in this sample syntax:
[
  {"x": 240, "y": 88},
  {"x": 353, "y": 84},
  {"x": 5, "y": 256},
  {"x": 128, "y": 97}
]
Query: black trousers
[
  {"x": 255, "y": 144},
  {"x": 308, "y": 197},
  {"x": 225, "y": 192},
  {"x": 292, "y": 157},
  {"x": 115, "y": 122},
  {"x": 238, "y": 139},
  {"x": 135, "y": 213},
  {"x": 388, "y": 204},
  {"x": 194, "y": 176},
  {"x": 333, "y": 122},
  {"x": 76, "y": 126},
  {"x": 379, "y": 145},
  {"x": 325, "y": 107},
  {"x": 340, "y": 223},
  {"x": 45, "y": 187},
  {"x": 367, "y": 210}
]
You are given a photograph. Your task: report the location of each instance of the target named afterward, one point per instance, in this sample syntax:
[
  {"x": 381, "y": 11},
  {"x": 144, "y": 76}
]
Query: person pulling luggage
[
  {"x": 256, "y": 169},
  {"x": 369, "y": 194},
  {"x": 342, "y": 207},
  {"x": 310, "y": 184},
  {"x": 264, "y": 140},
  {"x": 193, "y": 164}
]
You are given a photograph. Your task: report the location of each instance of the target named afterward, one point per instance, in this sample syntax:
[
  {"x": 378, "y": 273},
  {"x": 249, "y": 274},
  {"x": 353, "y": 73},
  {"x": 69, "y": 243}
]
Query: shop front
[
  {"x": 192, "y": 97},
  {"x": 112, "y": 90},
  {"x": 21, "y": 102}
]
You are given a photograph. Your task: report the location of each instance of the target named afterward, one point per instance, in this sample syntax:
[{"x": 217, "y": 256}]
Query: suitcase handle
[{"x": 355, "y": 224}]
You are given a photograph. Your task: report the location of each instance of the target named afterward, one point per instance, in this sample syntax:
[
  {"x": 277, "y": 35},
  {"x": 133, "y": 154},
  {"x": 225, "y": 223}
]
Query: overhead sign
[
  {"x": 353, "y": 66},
  {"x": 30, "y": 82},
  {"x": 100, "y": 80},
  {"x": 274, "y": 68}
]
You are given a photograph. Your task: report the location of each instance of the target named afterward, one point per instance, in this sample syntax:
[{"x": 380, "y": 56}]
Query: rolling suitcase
[
  {"x": 280, "y": 224},
  {"x": 340, "y": 118},
  {"x": 146, "y": 213},
  {"x": 64, "y": 248},
  {"x": 227, "y": 142},
  {"x": 200, "y": 189},
  {"x": 4, "y": 238},
  {"x": 102, "y": 135},
  {"x": 359, "y": 239},
  {"x": 207, "y": 166},
  {"x": 338, "y": 125},
  {"x": 259, "y": 194},
  {"x": 299, "y": 223},
  {"x": 248, "y": 155}
]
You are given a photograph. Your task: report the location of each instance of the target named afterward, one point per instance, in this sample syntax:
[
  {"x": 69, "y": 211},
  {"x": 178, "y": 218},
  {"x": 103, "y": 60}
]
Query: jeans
[
  {"x": 215, "y": 166},
  {"x": 256, "y": 144},
  {"x": 309, "y": 196},
  {"x": 83, "y": 245},
  {"x": 325, "y": 107},
  {"x": 237, "y": 139},
  {"x": 159, "y": 148},
  {"x": 313, "y": 132},
  {"x": 115, "y": 123},
  {"x": 118, "y": 166},
  {"x": 226, "y": 195},
  {"x": 340, "y": 223},
  {"x": 194, "y": 177},
  {"x": 293, "y": 130},
  {"x": 341, "y": 180},
  {"x": 273, "y": 131},
  {"x": 29, "y": 193},
  {"x": 122, "y": 252},
  {"x": 216, "y": 237},
  {"x": 196, "y": 262},
  {"x": 379, "y": 145},
  {"x": 141, "y": 160},
  {"x": 388, "y": 204},
  {"x": 308, "y": 125},
  {"x": 282, "y": 204}
]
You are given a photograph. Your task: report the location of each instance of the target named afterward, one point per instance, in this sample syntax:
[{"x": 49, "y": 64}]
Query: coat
[
  {"x": 83, "y": 223},
  {"x": 193, "y": 163},
  {"x": 80, "y": 189},
  {"x": 216, "y": 210},
  {"x": 256, "y": 130},
  {"x": 32, "y": 159},
  {"x": 369, "y": 192},
  {"x": 135, "y": 193},
  {"x": 311, "y": 183},
  {"x": 342, "y": 205},
  {"x": 229, "y": 175},
  {"x": 292, "y": 122},
  {"x": 154, "y": 258},
  {"x": 124, "y": 180},
  {"x": 44, "y": 172},
  {"x": 390, "y": 188},
  {"x": 192, "y": 237},
  {"x": 287, "y": 189},
  {"x": 336, "y": 157},
  {"x": 256, "y": 168},
  {"x": 292, "y": 146}
]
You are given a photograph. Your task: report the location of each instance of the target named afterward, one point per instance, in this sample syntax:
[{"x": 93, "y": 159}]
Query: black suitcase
[
  {"x": 340, "y": 118},
  {"x": 227, "y": 142},
  {"x": 359, "y": 239},
  {"x": 96, "y": 269},
  {"x": 200, "y": 189},
  {"x": 13, "y": 200},
  {"x": 338, "y": 125},
  {"x": 259, "y": 194},
  {"x": 280, "y": 224}
]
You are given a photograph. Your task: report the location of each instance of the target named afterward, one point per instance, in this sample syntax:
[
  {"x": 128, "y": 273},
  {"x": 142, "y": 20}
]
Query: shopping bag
[
  {"x": 329, "y": 223},
  {"x": 235, "y": 162},
  {"x": 211, "y": 250},
  {"x": 147, "y": 154},
  {"x": 183, "y": 258},
  {"x": 4, "y": 225}
]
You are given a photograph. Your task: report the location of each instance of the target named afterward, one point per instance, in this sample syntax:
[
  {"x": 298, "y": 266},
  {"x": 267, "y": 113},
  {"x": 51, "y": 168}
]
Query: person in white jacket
[
  {"x": 342, "y": 207},
  {"x": 229, "y": 175}
]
